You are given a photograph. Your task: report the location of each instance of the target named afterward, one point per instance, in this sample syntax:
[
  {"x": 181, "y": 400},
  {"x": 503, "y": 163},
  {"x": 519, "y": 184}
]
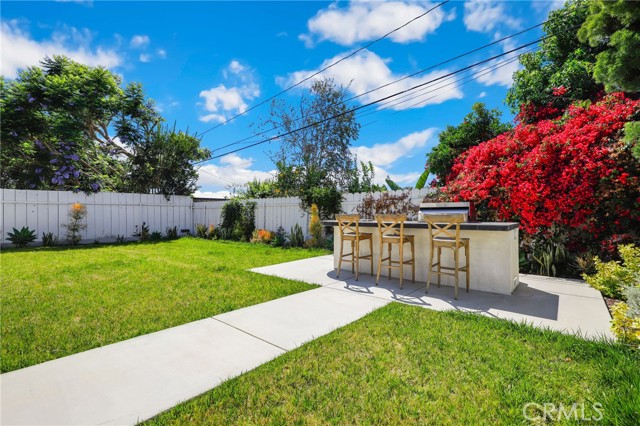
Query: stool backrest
[
  {"x": 387, "y": 224},
  {"x": 440, "y": 225},
  {"x": 348, "y": 223}
]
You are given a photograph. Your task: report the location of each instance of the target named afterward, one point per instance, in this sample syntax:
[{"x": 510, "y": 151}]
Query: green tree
[
  {"x": 478, "y": 126},
  {"x": 68, "y": 126},
  {"x": 562, "y": 61},
  {"x": 362, "y": 179},
  {"x": 315, "y": 162},
  {"x": 614, "y": 28}
]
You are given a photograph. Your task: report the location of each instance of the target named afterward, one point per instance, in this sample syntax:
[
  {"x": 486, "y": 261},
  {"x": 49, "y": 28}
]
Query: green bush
[
  {"x": 238, "y": 220},
  {"x": 296, "y": 236},
  {"x": 172, "y": 233},
  {"x": 279, "y": 238},
  {"x": 49, "y": 240},
  {"x": 22, "y": 237},
  {"x": 315, "y": 229},
  {"x": 611, "y": 278}
]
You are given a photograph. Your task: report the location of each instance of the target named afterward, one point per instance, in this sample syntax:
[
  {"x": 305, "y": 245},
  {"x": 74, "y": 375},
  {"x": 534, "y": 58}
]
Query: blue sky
[{"x": 203, "y": 62}]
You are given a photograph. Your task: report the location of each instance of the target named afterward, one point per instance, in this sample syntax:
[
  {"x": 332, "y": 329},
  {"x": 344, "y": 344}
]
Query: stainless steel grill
[{"x": 465, "y": 208}]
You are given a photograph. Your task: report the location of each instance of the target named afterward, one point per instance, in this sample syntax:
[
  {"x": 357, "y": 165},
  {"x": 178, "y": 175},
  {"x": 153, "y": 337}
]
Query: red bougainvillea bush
[{"x": 570, "y": 178}]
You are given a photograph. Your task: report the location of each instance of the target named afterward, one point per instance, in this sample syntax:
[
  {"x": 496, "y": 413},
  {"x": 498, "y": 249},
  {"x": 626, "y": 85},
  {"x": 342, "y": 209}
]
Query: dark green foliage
[
  {"x": 201, "y": 230},
  {"x": 362, "y": 179},
  {"x": 632, "y": 137},
  {"x": 613, "y": 27},
  {"x": 296, "y": 236},
  {"x": 328, "y": 199},
  {"x": 422, "y": 180},
  {"x": 279, "y": 238},
  {"x": 563, "y": 61},
  {"x": 68, "y": 126},
  {"x": 172, "y": 233},
  {"x": 237, "y": 220},
  {"x": 155, "y": 236},
  {"x": 392, "y": 185},
  {"x": 478, "y": 126},
  {"x": 143, "y": 233},
  {"x": 49, "y": 240},
  {"x": 22, "y": 237},
  {"x": 120, "y": 239}
]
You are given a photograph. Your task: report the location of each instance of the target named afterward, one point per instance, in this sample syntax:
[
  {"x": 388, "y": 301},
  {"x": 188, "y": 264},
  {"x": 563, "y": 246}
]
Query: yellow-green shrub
[
  {"x": 612, "y": 277},
  {"x": 623, "y": 326},
  {"x": 315, "y": 228}
]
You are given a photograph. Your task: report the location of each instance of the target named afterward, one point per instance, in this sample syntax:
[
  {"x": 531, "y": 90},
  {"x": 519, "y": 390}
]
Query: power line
[
  {"x": 237, "y": 142},
  {"x": 354, "y": 109},
  {"x": 327, "y": 67}
]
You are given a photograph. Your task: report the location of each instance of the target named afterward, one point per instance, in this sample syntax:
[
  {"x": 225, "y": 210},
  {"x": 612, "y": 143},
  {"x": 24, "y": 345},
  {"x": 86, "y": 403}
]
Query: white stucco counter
[{"x": 493, "y": 252}]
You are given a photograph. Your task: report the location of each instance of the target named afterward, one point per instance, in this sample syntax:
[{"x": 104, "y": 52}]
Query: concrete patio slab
[
  {"x": 570, "y": 306},
  {"x": 293, "y": 320},
  {"x": 129, "y": 381},
  {"x": 312, "y": 270}
]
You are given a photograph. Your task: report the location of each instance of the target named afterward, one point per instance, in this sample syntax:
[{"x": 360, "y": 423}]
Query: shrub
[
  {"x": 623, "y": 326},
  {"x": 279, "y": 238},
  {"x": 201, "y": 230},
  {"x": 49, "y": 240},
  {"x": 611, "y": 278},
  {"x": 155, "y": 236},
  {"x": 387, "y": 203},
  {"x": 238, "y": 220},
  {"x": 22, "y": 237},
  {"x": 296, "y": 236},
  {"x": 120, "y": 239},
  {"x": 77, "y": 213},
  {"x": 315, "y": 229},
  {"x": 172, "y": 233},
  {"x": 263, "y": 236}
]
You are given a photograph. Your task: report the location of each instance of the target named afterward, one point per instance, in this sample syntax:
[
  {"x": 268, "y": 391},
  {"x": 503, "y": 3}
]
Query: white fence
[{"x": 110, "y": 215}]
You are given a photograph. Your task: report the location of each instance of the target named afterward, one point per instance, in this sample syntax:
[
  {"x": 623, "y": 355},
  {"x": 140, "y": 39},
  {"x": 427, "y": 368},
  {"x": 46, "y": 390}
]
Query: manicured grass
[
  {"x": 408, "y": 365},
  {"x": 59, "y": 301}
]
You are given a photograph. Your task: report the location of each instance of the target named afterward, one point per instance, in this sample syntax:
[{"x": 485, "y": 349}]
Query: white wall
[{"x": 113, "y": 214}]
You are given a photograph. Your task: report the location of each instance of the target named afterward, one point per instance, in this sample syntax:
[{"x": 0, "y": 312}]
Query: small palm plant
[{"x": 22, "y": 237}]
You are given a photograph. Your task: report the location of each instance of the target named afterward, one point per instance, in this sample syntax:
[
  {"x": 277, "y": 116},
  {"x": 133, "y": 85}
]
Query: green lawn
[
  {"x": 59, "y": 301},
  {"x": 409, "y": 365}
]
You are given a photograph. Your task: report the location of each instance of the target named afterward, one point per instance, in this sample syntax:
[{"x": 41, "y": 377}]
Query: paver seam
[{"x": 249, "y": 334}]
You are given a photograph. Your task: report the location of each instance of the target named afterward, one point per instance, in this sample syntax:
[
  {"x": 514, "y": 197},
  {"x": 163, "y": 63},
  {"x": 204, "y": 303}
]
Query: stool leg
[
  {"x": 357, "y": 259},
  {"x": 455, "y": 261},
  {"x": 466, "y": 255},
  {"x": 430, "y": 268},
  {"x": 413, "y": 262},
  {"x": 401, "y": 259},
  {"x": 340, "y": 259},
  {"x": 371, "y": 251},
  {"x": 352, "y": 256},
  {"x": 380, "y": 261},
  {"x": 439, "y": 257},
  {"x": 389, "y": 264}
]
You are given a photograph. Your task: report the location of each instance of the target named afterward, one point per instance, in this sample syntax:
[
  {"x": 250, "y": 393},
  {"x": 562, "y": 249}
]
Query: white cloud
[
  {"x": 139, "y": 41},
  {"x": 385, "y": 154},
  {"x": 221, "y": 101},
  {"x": 366, "y": 71},
  {"x": 363, "y": 21},
  {"x": 162, "y": 54},
  {"x": 486, "y": 15},
  {"x": 20, "y": 51},
  {"x": 145, "y": 57},
  {"x": 482, "y": 95},
  {"x": 230, "y": 170},
  {"x": 545, "y": 7},
  {"x": 211, "y": 194}
]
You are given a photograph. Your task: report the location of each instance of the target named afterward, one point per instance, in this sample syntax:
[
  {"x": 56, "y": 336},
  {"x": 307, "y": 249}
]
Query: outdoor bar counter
[{"x": 493, "y": 253}]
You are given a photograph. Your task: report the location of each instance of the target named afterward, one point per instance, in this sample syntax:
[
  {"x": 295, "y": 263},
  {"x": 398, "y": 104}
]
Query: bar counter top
[{"x": 465, "y": 226}]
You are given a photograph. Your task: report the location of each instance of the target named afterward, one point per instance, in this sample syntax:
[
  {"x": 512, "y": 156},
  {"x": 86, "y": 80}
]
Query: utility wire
[
  {"x": 237, "y": 142},
  {"x": 354, "y": 109},
  {"x": 327, "y": 67}
]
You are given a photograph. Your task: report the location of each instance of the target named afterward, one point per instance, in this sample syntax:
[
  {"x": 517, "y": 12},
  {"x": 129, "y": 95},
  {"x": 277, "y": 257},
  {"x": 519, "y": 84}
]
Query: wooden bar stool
[
  {"x": 349, "y": 225},
  {"x": 391, "y": 231},
  {"x": 442, "y": 236}
]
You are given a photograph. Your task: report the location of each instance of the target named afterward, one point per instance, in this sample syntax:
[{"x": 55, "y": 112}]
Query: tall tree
[
  {"x": 315, "y": 162},
  {"x": 478, "y": 126},
  {"x": 563, "y": 61},
  {"x": 614, "y": 28},
  {"x": 68, "y": 126}
]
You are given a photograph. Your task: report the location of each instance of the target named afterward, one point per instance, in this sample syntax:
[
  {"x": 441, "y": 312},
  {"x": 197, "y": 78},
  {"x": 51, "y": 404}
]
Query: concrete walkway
[
  {"x": 566, "y": 305},
  {"x": 134, "y": 380}
]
